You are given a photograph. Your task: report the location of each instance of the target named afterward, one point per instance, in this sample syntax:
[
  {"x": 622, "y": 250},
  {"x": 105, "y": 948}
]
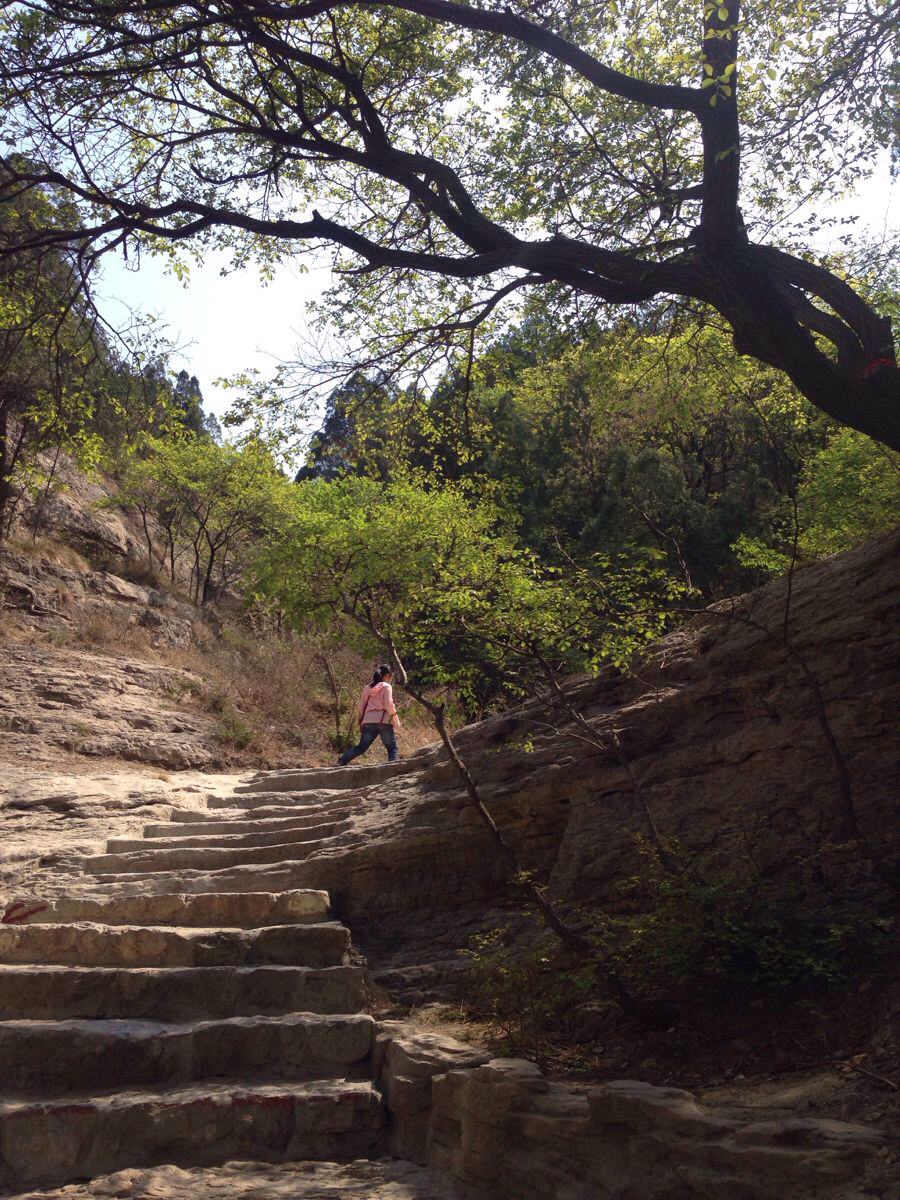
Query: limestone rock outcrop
[
  {"x": 504, "y": 1129},
  {"x": 363, "y": 1179},
  {"x": 98, "y": 706},
  {"x": 46, "y": 592}
]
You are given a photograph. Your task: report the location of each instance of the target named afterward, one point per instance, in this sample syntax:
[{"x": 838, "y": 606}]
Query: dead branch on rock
[
  {"x": 593, "y": 738},
  {"x": 653, "y": 1014},
  {"x": 32, "y": 605}
]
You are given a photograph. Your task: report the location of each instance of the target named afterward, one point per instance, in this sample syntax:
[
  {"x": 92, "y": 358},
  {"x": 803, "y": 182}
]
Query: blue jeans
[{"x": 367, "y": 736}]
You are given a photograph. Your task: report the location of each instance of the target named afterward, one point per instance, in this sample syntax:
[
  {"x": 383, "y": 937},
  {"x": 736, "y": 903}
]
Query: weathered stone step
[
  {"x": 258, "y": 823},
  {"x": 297, "y": 802},
  {"x": 232, "y": 840},
  {"x": 272, "y": 877},
  {"x": 90, "y": 945},
  {"x": 176, "y": 993},
  {"x": 317, "y": 778},
  {"x": 245, "y": 910},
  {"x": 363, "y": 1179},
  {"x": 46, "y": 1144},
  {"x": 208, "y": 858},
  {"x": 55, "y": 1058}
]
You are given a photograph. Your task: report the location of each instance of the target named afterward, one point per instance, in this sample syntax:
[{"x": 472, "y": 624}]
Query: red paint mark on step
[
  {"x": 264, "y": 1101},
  {"x": 13, "y": 914}
]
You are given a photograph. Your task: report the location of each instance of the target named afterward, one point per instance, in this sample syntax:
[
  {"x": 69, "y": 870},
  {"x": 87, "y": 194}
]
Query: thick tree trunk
[
  {"x": 861, "y": 389},
  {"x": 5, "y": 472}
]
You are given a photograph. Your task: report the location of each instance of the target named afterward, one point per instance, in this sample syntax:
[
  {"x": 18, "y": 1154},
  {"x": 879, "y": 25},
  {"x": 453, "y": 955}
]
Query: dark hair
[{"x": 380, "y": 673}]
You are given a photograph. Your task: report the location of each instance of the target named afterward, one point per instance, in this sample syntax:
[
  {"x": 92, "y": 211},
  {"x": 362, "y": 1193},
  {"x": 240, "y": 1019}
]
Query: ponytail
[{"x": 379, "y": 674}]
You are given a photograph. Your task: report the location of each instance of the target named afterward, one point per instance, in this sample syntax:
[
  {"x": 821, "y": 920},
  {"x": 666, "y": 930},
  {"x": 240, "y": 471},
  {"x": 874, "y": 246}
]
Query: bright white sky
[
  {"x": 222, "y": 324},
  {"x": 228, "y": 324}
]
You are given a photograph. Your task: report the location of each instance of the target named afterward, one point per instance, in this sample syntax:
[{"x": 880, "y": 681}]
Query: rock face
[
  {"x": 359, "y": 1180},
  {"x": 719, "y": 727},
  {"x": 506, "y": 1131},
  {"x": 76, "y": 510},
  {"x": 44, "y": 591},
  {"x": 98, "y": 706}
]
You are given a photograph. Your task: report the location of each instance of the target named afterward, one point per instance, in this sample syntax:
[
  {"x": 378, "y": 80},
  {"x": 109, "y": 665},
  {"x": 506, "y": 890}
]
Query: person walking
[{"x": 377, "y": 717}]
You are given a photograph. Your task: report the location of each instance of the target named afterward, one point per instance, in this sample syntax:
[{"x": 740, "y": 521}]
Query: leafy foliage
[
  {"x": 212, "y": 501},
  {"x": 849, "y": 490},
  {"x": 728, "y": 934},
  {"x": 439, "y": 579},
  {"x": 456, "y": 156},
  {"x": 526, "y": 986},
  {"x": 68, "y": 385},
  {"x": 627, "y": 443},
  {"x": 738, "y": 930}
]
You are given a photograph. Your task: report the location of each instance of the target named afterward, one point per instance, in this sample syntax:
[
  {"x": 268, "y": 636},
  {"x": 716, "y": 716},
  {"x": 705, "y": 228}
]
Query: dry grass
[
  {"x": 11, "y": 626},
  {"x": 281, "y": 699},
  {"x": 96, "y": 626},
  {"x": 47, "y": 549}
]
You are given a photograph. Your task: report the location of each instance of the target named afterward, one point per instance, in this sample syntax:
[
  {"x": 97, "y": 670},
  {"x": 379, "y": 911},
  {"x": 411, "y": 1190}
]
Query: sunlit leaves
[{"x": 440, "y": 578}]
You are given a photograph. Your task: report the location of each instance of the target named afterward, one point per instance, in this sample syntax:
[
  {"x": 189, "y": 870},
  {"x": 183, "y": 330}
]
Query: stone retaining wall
[{"x": 500, "y": 1127}]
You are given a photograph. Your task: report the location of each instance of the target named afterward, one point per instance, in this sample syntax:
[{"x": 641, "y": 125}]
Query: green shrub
[
  {"x": 234, "y": 728},
  {"x": 526, "y": 983},
  {"x": 849, "y": 491},
  {"x": 735, "y": 931},
  {"x": 730, "y": 933}
]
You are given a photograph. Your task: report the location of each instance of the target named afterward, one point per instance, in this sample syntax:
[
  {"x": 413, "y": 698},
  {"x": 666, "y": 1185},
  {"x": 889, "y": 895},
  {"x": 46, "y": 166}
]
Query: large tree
[{"x": 455, "y": 154}]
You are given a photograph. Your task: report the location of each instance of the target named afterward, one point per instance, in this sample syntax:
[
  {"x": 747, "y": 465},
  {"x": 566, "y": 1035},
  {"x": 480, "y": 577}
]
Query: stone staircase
[
  {"x": 181, "y": 1017},
  {"x": 179, "y": 1007}
]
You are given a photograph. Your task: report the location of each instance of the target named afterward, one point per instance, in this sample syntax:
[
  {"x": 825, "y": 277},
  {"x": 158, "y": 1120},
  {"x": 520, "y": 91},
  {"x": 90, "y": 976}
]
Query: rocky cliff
[{"x": 719, "y": 728}]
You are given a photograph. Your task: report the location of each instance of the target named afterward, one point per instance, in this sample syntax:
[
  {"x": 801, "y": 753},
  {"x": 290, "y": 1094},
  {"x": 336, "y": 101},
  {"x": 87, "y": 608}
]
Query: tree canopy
[
  {"x": 626, "y": 441},
  {"x": 210, "y": 501},
  {"x": 438, "y": 582},
  {"x": 454, "y": 155},
  {"x": 67, "y": 383}
]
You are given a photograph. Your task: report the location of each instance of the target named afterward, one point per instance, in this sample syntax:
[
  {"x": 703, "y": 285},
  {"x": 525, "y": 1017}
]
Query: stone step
[
  {"x": 54, "y": 1058},
  {"x": 299, "y": 802},
  {"x": 273, "y": 877},
  {"x": 231, "y": 840},
  {"x": 332, "y": 778},
  {"x": 258, "y": 823},
  {"x": 87, "y": 944},
  {"x": 205, "y": 859},
  {"x": 208, "y": 910},
  {"x": 287, "y": 806},
  {"x": 47, "y": 1144},
  {"x": 363, "y": 1179},
  {"x": 177, "y": 993}
]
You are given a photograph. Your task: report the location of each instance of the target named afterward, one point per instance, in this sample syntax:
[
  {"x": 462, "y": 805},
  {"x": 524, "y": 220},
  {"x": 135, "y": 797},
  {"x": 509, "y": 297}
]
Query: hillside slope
[{"x": 717, "y": 726}]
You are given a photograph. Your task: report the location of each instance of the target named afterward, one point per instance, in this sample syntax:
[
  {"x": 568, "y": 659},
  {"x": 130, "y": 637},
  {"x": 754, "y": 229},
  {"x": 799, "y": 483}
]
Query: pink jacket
[{"x": 376, "y": 705}]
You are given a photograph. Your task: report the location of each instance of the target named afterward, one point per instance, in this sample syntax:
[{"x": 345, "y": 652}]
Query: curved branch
[
  {"x": 872, "y": 331},
  {"x": 507, "y": 24}
]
